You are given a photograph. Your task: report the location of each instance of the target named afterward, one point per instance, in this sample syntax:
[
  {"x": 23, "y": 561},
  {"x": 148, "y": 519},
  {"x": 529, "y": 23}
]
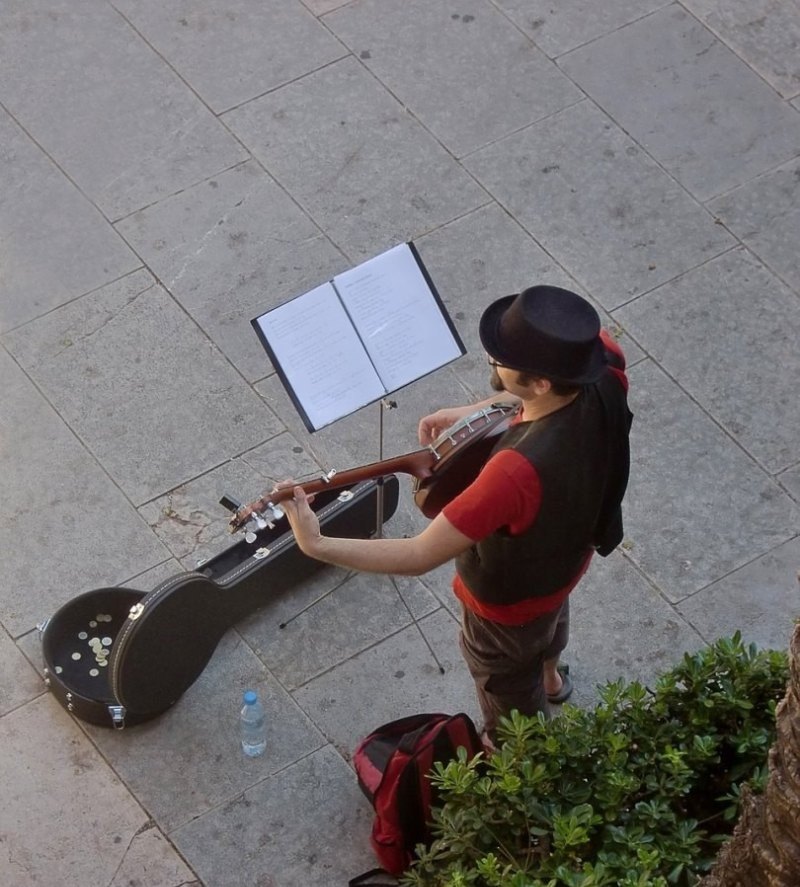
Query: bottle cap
[{"x": 250, "y": 697}]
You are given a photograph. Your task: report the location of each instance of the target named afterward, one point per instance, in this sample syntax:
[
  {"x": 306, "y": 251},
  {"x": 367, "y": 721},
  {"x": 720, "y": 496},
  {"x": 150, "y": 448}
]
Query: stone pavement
[{"x": 170, "y": 170}]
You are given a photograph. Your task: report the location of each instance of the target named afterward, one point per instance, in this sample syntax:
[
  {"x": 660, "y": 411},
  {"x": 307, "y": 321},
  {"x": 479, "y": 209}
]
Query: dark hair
[{"x": 560, "y": 389}]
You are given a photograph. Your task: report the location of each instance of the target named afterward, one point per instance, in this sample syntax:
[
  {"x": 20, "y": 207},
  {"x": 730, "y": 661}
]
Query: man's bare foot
[{"x": 557, "y": 682}]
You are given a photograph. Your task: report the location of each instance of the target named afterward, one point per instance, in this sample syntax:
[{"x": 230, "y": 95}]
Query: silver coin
[
  {"x": 92, "y": 624},
  {"x": 104, "y": 652},
  {"x": 59, "y": 669},
  {"x": 82, "y": 635},
  {"x": 102, "y": 662},
  {"x": 94, "y": 672},
  {"x": 76, "y": 656},
  {"x": 106, "y": 642}
]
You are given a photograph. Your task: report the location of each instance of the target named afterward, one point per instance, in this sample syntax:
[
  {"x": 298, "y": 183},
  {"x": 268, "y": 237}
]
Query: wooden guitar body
[
  {"x": 119, "y": 656},
  {"x": 460, "y": 452}
]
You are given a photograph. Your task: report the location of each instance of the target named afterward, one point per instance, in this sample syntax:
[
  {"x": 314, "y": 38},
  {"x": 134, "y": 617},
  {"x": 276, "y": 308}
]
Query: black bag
[
  {"x": 117, "y": 656},
  {"x": 392, "y": 765}
]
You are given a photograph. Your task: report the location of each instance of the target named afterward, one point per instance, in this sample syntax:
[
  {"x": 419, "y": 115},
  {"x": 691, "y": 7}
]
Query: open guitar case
[{"x": 117, "y": 657}]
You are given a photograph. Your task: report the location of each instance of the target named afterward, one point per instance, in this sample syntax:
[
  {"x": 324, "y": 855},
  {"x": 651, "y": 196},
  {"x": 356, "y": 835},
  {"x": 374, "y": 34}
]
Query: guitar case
[{"x": 116, "y": 657}]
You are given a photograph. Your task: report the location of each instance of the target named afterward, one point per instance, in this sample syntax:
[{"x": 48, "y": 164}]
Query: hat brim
[{"x": 489, "y": 333}]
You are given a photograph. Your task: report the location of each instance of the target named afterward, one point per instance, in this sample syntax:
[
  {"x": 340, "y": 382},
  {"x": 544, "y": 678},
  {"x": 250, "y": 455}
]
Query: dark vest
[{"x": 582, "y": 457}]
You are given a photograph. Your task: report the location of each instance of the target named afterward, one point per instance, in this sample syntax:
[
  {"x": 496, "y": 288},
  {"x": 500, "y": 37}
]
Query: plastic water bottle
[{"x": 253, "y": 725}]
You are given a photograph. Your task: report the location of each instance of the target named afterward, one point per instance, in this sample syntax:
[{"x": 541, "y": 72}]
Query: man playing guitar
[{"x": 523, "y": 532}]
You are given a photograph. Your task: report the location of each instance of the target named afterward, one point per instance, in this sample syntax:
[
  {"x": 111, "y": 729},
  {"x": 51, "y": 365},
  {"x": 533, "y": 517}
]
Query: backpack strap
[{"x": 374, "y": 878}]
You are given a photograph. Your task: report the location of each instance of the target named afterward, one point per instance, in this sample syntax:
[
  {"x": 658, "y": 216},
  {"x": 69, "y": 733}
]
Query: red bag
[{"x": 393, "y": 764}]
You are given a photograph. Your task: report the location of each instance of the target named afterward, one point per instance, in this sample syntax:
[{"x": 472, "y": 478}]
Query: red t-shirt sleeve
[{"x": 506, "y": 493}]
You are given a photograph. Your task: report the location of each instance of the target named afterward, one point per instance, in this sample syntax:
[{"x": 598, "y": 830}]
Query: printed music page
[
  {"x": 398, "y": 317},
  {"x": 319, "y": 356}
]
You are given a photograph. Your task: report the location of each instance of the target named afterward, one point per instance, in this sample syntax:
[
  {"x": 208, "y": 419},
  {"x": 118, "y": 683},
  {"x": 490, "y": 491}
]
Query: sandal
[{"x": 566, "y": 686}]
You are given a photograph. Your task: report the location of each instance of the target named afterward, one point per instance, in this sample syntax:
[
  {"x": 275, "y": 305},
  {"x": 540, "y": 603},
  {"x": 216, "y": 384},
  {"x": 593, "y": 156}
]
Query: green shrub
[{"x": 640, "y": 791}]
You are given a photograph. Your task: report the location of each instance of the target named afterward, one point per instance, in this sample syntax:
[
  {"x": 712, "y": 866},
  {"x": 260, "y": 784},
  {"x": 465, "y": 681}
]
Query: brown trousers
[{"x": 506, "y": 661}]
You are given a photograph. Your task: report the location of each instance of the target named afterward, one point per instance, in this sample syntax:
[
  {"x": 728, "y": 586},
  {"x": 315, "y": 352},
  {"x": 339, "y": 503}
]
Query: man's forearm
[{"x": 395, "y": 556}]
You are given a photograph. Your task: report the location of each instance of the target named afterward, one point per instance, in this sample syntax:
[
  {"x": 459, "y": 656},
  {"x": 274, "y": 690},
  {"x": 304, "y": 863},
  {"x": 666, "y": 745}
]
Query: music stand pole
[{"x": 383, "y": 404}]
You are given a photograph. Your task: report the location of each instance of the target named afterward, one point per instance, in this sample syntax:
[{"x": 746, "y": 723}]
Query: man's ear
[{"x": 539, "y": 386}]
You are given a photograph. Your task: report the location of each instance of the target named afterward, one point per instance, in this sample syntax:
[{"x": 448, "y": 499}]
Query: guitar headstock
[{"x": 259, "y": 515}]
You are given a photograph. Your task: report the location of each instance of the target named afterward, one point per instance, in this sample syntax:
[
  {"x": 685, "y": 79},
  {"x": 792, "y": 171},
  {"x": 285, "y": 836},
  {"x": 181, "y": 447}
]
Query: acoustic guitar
[{"x": 440, "y": 471}]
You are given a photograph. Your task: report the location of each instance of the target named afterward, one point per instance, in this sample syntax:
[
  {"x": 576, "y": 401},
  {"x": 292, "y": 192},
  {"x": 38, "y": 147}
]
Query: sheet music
[
  {"x": 397, "y": 317},
  {"x": 320, "y": 354}
]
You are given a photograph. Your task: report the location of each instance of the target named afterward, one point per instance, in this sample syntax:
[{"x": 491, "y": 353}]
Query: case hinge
[{"x": 136, "y": 611}]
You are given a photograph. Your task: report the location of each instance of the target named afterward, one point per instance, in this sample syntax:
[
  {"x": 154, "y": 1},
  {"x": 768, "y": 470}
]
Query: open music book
[{"x": 359, "y": 337}]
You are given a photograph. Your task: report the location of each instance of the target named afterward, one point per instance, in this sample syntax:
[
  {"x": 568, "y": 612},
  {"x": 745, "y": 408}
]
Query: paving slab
[
  {"x": 150, "y": 579},
  {"x": 460, "y": 66},
  {"x": 483, "y": 256},
  {"x": 188, "y": 760},
  {"x": 605, "y": 198},
  {"x": 19, "y": 681},
  {"x": 56, "y": 244},
  {"x": 696, "y": 107},
  {"x": 765, "y": 33},
  {"x": 790, "y": 479},
  {"x": 559, "y": 27},
  {"x": 395, "y": 678},
  {"x": 65, "y": 810},
  {"x": 141, "y": 385},
  {"x": 233, "y": 54},
  {"x": 230, "y": 249},
  {"x": 190, "y": 520},
  {"x": 765, "y": 215},
  {"x": 622, "y": 627},
  {"x": 358, "y": 162},
  {"x": 736, "y": 379},
  {"x": 66, "y": 528},
  {"x": 761, "y": 600},
  {"x": 319, "y": 7},
  {"x": 309, "y": 824},
  {"x": 334, "y": 616},
  {"x": 697, "y": 506},
  {"x": 152, "y": 860},
  {"x": 86, "y": 95}
]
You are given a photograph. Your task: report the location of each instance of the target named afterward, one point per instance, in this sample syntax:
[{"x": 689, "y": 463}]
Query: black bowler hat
[{"x": 548, "y": 331}]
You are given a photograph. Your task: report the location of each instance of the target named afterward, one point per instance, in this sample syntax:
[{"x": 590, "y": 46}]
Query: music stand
[{"x": 358, "y": 338}]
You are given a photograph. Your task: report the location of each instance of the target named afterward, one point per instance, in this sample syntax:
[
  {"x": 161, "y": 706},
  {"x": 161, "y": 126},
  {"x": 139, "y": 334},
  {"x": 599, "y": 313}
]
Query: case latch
[
  {"x": 136, "y": 611},
  {"x": 117, "y": 713}
]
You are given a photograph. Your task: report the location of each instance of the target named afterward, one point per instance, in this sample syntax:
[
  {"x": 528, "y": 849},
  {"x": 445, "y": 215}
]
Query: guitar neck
[{"x": 418, "y": 464}]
